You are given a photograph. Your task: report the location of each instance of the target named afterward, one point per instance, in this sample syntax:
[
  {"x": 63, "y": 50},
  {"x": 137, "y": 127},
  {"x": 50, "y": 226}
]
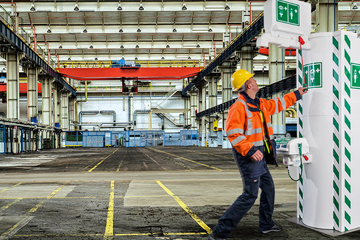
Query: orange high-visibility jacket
[{"x": 244, "y": 126}]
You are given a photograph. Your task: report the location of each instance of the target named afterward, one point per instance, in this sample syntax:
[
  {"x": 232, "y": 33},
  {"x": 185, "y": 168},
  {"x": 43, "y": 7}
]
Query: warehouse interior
[{"x": 112, "y": 121}]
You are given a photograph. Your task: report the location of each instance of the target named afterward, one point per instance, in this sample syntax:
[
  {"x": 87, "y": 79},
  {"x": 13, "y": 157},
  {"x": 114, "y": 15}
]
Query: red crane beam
[{"x": 124, "y": 73}]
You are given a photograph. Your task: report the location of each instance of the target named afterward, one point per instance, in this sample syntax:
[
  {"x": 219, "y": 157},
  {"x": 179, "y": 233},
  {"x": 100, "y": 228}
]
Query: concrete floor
[{"x": 133, "y": 193}]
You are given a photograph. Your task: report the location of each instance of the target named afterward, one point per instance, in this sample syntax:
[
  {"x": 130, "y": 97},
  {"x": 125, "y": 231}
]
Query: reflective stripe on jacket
[{"x": 244, "y": 125}]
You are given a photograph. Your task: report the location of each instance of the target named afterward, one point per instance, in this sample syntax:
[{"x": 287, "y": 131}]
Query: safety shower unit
[{"x": 328, "y": 64}]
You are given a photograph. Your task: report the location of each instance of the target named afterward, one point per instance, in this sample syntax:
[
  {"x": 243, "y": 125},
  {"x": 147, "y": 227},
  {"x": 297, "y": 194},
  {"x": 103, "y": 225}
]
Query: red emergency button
[{"x": 306, "y": 157}]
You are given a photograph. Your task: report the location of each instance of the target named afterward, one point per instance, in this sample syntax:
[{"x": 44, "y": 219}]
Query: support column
[
  {"x": 212, "y": 135},
  {"x": 327, "y": 16},
  {"x": 65, "y": 111},
  {"x": 227, "y": 69},
  {"x": 32, "y": 93},
  {"x": 277, "y": 73},
  {"x": 13, "y": 97},
  {"x": 193, "y": 107},
  {"x": 57, "y": 113},
  {"x": 246, "y": 59},
  {"x": 46, "y": 102},
  {"x": 202, "y": 107},
  {"x": 187, "y": 114}
]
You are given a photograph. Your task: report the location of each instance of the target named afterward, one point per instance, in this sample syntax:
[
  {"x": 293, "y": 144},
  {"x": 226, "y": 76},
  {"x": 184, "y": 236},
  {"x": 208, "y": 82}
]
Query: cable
[{"x": 302, "y": 42}]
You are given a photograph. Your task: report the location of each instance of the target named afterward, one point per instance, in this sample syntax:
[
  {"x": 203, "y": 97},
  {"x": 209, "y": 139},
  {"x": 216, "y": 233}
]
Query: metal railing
[{"x": 7, "y": 19}]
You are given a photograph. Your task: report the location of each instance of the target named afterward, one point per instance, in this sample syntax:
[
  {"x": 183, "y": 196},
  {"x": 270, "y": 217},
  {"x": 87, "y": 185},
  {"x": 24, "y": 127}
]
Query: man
[{"x": 248, "y": 127}]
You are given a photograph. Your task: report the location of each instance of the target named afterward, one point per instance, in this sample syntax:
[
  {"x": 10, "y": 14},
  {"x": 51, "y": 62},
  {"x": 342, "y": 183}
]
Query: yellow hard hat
[{"x": 239, "y": 78}]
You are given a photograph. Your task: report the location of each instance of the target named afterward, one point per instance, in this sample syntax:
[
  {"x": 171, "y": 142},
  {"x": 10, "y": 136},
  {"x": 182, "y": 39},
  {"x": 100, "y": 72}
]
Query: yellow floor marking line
[
  {"x": 187, "y": 159},
  {"x": 27, "y": 217},
  {"x": 182, "y": 204},
  {"x": 3, "y": 190},
  {"x": 102, "y": 160},
  {"x": 209, "y": 154},
  {"x": 109, "y": 231},
  {"x": 117, "y": 235},
  {"x": 7, "y": 206},
  {"x": 118, "y": 169}
]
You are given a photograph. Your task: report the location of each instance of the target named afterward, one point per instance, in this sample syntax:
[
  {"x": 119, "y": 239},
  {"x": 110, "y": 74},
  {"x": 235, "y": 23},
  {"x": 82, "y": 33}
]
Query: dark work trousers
[{"x": 243, "y": 203}]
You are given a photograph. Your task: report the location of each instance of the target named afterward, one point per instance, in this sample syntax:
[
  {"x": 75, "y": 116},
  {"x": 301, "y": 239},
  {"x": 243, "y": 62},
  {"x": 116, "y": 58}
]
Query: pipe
[
  {"x": 111, "y": 112},
  {"x": 77, "y": 101},
  {"x": 86, "y": 112},
  {"x": 138, "y": 111}
]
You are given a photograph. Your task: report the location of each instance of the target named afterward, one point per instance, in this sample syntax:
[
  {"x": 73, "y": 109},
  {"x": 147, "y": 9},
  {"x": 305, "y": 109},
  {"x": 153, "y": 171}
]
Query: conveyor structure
[{"x": 241, "y": 40}]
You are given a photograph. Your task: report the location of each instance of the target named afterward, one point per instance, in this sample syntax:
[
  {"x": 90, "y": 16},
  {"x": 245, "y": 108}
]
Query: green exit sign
[
  {"x": 355, "y": 76},
  {"x": 287, "y": 12}
]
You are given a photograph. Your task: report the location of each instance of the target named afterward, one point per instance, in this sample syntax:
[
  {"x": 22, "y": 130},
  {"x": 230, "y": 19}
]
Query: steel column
[
  {"x": 12, "y": 96},
  {"x": 193, "y": 106},
  {"x": 327, "y": 16},
  {"x": 277, "y": 73},
  {"x": 202, "y": 107},
  {"x": 32, "y": 93},
  {"x": 65, "y": 111},
  {"x": 46, "y": 102}
]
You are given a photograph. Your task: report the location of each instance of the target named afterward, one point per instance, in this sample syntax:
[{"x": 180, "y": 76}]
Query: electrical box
[
  {"x": 291, "y": 151},
  {"x": 215, "y": 125}
]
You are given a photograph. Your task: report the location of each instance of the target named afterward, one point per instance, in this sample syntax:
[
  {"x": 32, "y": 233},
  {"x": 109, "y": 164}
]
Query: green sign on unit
[
  {"x": 287, "y": 12},
  {"x": 355, "y": 76},
  {"x": 313, "y": 75}
]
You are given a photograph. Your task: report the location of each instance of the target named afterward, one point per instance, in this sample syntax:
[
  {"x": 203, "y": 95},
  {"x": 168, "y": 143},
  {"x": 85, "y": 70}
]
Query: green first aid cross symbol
[
  {"x": 355, "y": 76},
  {"x": 313, "y": 75},
  {"x": 287, "y": 12}
]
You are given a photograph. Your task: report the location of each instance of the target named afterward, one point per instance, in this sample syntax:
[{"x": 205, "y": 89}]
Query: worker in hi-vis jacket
[{"x": 249, "y": 129}]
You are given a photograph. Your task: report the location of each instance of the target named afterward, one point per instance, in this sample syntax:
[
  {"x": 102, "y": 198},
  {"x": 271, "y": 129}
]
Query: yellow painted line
[
  {"x": 109, "y": 231},
  {"x": 27, "y": 215},
  {"x": 102, "y": 160},
  {"x": 11, "y": 187},
  {"x": 118, "y": 169},
  {"x": 218, "y": 169},
  {"x": 182, "y": 204},
  {"x": 209, "y": 154},
  {"x": 48, "y": 197},
  {"x": 7, "y": 206},
  {"x": 117, "y": 235}
]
